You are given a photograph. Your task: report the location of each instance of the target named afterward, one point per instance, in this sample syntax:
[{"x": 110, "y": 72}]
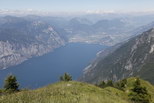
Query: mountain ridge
[
  {"x": 22, "y": 39},
  {"x": 125, "y": 61}
]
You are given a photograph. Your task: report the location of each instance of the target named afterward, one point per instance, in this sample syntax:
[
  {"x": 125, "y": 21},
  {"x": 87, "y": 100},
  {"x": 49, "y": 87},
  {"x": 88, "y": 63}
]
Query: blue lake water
[{"x": 40, "y": 71}]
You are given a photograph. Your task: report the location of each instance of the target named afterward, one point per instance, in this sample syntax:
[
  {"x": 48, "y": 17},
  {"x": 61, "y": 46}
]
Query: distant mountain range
[
  {"x": 132, "y": 58},
  {"x": 24, "y": 37}
]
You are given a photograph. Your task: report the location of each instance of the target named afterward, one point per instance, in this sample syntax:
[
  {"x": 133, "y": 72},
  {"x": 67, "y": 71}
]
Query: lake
[{"x": 40, "y": 71}]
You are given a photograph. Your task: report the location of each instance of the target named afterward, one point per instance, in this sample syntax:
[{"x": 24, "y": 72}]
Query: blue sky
[{"x": 78, "y": 5}]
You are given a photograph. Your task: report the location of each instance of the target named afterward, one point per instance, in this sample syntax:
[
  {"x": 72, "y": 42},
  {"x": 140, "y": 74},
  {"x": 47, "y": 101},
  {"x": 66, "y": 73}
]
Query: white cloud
[{"x": 99, "y": 11}]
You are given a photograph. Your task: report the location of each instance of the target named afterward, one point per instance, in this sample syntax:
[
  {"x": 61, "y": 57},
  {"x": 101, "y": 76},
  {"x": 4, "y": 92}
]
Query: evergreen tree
[
  {"x": 11, "y": 83},
  {"x": 139, "y": 94},
  {"x": 66, "y": 77}
]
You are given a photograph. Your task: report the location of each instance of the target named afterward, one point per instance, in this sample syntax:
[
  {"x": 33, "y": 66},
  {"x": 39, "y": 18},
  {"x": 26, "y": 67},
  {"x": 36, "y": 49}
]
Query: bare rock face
[
  {"x": 21, "y": 39},
  {"x": 133, "y": 58}
]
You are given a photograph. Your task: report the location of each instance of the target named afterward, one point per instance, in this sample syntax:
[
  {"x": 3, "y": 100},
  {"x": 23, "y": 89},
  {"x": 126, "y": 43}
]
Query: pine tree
[
  {"x": 11, "y": 84},
  {"x": 66, "y": 77},
  {"x": 139, "y": 94}
]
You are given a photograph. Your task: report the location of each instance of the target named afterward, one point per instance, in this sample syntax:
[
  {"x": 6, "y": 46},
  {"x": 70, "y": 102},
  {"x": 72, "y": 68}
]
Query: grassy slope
[
  {"x": 74, "y": 92},
  {"x": 67, "y": 92}
]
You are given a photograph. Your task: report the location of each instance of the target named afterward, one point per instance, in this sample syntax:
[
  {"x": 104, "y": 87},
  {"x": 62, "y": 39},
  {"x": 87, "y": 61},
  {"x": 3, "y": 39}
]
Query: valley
[
  {"x": 43, "y": 70},
  {"x": 25, "y": 37},
  {"x": 29, "y": 43},
  {"x": 76, "y": 51}
]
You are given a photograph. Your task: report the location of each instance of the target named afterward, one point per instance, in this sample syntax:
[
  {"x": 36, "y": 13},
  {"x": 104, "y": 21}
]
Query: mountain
[
  {"x": 75, "y": 92},
  {"x": 105, "y": 29},
  {"x": 109, "y": 26},
  {"x": 132, "y": 58},
  {"x": 21, "y": 39},
  {"x": 28, "y": 36},
  {"x": 141, "y": 29},
  {"x": 105, "y": 32}
]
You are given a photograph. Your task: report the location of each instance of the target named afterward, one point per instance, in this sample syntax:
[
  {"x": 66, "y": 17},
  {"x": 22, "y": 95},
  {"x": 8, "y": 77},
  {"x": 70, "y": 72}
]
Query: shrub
[
  {"x": 11, "y": 84},
  {"x": 110, "y": 83},
  {"x": 139, "y": 94},
  {"x": 102, "y": 84},
  {"x": 66, "y": 77},
  {"x": 121, "y": 84}
]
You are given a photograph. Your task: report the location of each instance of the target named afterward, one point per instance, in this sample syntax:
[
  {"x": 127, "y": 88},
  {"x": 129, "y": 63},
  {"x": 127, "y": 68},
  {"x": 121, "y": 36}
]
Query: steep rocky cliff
[
  {"x": 133, "y": 58},
  {"x": 21, "y": 39}
]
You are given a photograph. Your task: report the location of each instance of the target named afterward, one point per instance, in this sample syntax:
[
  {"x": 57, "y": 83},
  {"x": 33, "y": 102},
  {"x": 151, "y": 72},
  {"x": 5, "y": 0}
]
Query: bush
[
  {"x": 102, "y": 84},
  {"x": 66, "y": 77},
  {"x": 11, "y": 84},
  {"x": 110, "y": 83},
  {"x": 121, "y": 85},
  {"x": 139, "y": 94}
]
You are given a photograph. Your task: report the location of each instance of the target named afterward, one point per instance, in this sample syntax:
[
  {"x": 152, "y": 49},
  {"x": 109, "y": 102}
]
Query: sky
[{"x": 78, "y": 5}]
